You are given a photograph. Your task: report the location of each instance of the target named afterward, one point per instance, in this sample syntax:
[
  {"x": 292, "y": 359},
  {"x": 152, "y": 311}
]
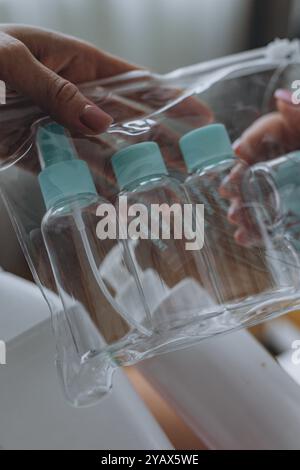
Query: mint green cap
[
  {"x": 136, "y": 162},
  {"x": 207, "y": 146},
  {"x": 64, "y": 175}
]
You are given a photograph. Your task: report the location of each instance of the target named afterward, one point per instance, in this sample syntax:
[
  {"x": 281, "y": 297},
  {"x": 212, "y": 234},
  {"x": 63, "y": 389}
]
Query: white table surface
[{"x": 33, "y": 410}]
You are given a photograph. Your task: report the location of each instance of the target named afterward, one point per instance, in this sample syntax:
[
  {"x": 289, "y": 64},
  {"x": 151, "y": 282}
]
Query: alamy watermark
[
  {"x": 296, "y": 353},
  {"x": 296, "y": 92},
  {"x": 2, "y": 353},
  {"x": 152, "y": 222},
  {"x": 2, "y": 92}
]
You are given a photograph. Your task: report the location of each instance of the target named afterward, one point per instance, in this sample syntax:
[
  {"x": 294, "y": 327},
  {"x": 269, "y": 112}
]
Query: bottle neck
[
  {"x": 69, "y": 203},
  {"x": 143, "y": 183},
  {"x": 208, "y": 167}
]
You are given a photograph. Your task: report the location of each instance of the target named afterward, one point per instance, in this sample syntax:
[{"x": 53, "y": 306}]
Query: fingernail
[
  {"x": 226, "y": 185},
  {"x": 244, "y": 238},
  {"x": 286, "y": 96},
  {"x": 233, "y": 213},
  {"x": 237, "y": 147},
  {"x": 240, "y": 237},
  {"x": 95, "y": 119},
  {"x": 236, "y": 144}
]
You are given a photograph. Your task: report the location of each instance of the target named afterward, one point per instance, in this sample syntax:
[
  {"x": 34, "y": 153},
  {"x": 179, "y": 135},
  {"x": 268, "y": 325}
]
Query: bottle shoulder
[
  {"x": 155, "y": 184},
  {"x": 222, "y": 168},
  {"x": 67, "y": 207}
]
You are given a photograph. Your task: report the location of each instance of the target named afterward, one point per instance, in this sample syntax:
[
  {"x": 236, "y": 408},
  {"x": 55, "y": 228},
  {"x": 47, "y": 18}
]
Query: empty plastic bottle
[
  {"x": 236, "y": 272},
  {"x": 209, "y": 158},
  {"x": 96, "y": 318},
  {"x": 143, "y": 179}
]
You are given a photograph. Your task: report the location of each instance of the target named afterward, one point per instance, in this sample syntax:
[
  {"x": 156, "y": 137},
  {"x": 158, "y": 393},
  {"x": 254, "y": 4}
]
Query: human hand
[
  {"x": 46, "y": 66},
  {"x": 269, "y": 137}
]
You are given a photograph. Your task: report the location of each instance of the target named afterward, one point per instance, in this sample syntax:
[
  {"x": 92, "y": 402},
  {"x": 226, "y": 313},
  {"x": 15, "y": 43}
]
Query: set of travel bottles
[
  {"x": 164, "y": 276},
  {"x": 180, "y": 284}
]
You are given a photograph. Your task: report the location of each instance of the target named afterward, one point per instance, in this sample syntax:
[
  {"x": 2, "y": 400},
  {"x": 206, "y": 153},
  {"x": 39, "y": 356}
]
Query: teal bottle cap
[
  {"x": 137, "y": 162},
  {"x": 54, "y": 145},
  {"x": 64, "y": 175},
  {"x": 207, "y": 146}
]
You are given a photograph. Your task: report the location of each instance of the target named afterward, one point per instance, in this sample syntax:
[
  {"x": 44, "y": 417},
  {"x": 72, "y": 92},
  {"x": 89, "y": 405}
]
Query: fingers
[
  {"x": 238, "y": 213},
  {"x": 231, "y": 186},
  {"x": 247, "y": 233},
  {"x": 244, "y": 237},
  {"x": 266, "y": 139},
  {"x": 55, "y": 95},
  {"x": 274, "y": 134},
  {"x": 76, "y": 60},
  {"x": 269, "y": 137},
  {"x": 291, "y": 116}
]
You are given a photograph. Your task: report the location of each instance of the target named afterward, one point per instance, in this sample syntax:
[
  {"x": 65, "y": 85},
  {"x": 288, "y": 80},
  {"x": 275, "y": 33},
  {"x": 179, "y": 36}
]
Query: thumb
[{"x": 60, "y": 98}]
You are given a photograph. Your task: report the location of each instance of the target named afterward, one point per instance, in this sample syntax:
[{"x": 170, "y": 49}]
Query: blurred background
[{"x": 163, "y": 34}]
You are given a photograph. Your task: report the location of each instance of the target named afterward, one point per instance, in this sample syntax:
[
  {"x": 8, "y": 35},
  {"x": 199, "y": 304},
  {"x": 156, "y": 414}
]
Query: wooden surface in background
[{"x": 180, "y": 435}]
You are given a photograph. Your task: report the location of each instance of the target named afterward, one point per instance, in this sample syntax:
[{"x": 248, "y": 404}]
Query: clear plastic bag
[{"x": 119, "y": 300}]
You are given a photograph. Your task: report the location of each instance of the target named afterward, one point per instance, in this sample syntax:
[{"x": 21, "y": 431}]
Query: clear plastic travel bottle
[
  {"x": 273, "y": 188},
  {"x": 237, "y": 272},
  {"x": 96, "y": 318},
  {"x": 167, "y": 270},
  {"x": 209, "y": 158}
]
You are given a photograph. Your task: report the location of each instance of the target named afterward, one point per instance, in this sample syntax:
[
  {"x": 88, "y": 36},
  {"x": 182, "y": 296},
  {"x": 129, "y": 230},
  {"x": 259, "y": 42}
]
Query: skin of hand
[
  {"x": 269, "y": 137},
  {"x": 46, "y": 66}
]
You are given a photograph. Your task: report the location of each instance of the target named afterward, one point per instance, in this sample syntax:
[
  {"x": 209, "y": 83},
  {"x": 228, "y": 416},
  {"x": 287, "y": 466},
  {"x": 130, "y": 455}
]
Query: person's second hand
[{"x": 269, "y": 137}]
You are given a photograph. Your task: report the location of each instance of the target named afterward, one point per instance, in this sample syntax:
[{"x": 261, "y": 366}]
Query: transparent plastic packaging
[
  {"x": 120, "y": 299},
  {"x": 274, "y": 185}
]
